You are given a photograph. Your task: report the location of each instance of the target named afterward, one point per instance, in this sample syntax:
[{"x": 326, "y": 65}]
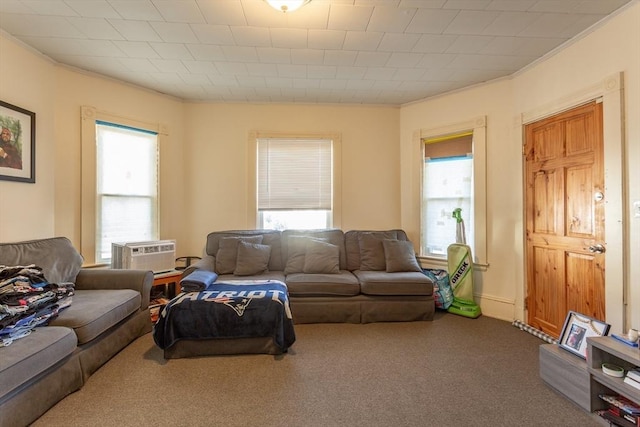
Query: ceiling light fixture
[{"x": 287, "y": 5}]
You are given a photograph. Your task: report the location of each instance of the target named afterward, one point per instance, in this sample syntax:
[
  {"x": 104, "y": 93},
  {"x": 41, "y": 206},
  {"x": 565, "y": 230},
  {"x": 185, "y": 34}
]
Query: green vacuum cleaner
[{"x": 460, "y": 266}]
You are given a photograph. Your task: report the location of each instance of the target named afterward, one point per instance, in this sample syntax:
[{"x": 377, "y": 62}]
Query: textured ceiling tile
[
  {"x": 511, "y": 5},
  {"x": 372, "y": 59},
  {"x": 200, "y": 67},
  {"x": 392, "y": 42},
  {"x": 350, "y": 72},
  {"x": 549, "y": 25},
  {"x": 172, "y": 50},
  {"x": 206, "y": 52},
  {"x": 274, "y": 55},
  {"x": 431, "y": 43},
  {"x": 340, "y": 57},
  {"x": 362, "y": 40},
  {"x": 240, "y": 53},
  {"x": 92, "y": 9},
  {"x": 213, "y": 34},
  {"x": 307, "y": 56},
  {"x": 232, "y": 68},
  {"x": 390, "y": 19},
  {"x": 469, "y": 44},
  {"x": 350, "y": 18},
  {"x": 401, "y": 59},
  {"x": 222, "y": 12},
  {"x": 251, "y": 36},
  {"x": 437, "y": 60},
  {"x": 179, "y": 11},
  {"x": 431, "y": 21},
  {"x": 410, "y": 74},
  {"x": 510, "y": 23},
  {"x": 471, "y": 22},
  {"x": 266, "y": 70},
  {"x": 169, "y": 65},
  {"x": 292, "y": 71},
  {"x": 136, "y": 10},
  {"x": 321, "y": 71},
  {"x": 50, "y": 7},
  {"x": 200, "y": 49},
  {"x": 136, "y": 49},
  {"x": 288, "y": 37},
  {"x": 95, "y": 28},
  {"x": 138, "y": 64},
  {"x": 174, "y": 32},
  {"x": 135, "y": 30},
  {"x": 39, "y": 26},
  {"x": 467, "y": 4},
  {"x": 326, "y": 39},
  {"x": 564, "y": 6}
]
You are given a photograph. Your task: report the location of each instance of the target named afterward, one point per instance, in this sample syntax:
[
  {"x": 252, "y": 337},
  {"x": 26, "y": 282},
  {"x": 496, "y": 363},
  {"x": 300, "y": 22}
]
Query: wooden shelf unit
[{"x": 609, "y": 350}]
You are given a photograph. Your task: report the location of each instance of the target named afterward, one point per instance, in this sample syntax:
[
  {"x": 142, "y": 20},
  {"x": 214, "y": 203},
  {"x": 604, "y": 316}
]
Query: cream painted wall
[
  {"x": 580, "y": 68},
  {"x": 217, "y": 162},
  {"x": 27, "y": 80},
  {"x": 73, "y": 90},
  {"x": 204, "y": 161},
  {"x": 494, "y": 286}
]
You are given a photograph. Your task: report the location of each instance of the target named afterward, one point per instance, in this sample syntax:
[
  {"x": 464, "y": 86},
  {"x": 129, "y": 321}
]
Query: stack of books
[
  {"x": 622, "y": 411},
  {"x": 633, "y": 378}
]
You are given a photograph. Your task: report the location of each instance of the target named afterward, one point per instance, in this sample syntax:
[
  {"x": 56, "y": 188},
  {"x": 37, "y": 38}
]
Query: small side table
[
  {"x": 170, "y": 280},
  {"x": 167, "y": 279}
]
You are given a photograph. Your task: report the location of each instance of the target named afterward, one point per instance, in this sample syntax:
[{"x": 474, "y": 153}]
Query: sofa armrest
[
  {"x": 208, "y": 262},
  {"x": 138, "y": 280}
]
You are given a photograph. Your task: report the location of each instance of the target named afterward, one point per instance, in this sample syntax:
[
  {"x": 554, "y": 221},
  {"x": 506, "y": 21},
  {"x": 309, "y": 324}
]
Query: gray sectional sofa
[
  {"x": 358, "y": 276},
  {"x": 109, "y": 310}
]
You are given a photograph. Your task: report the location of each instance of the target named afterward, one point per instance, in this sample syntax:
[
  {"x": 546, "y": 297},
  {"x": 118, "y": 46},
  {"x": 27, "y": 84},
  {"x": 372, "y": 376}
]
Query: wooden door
[{"x": 564, "y": 204}]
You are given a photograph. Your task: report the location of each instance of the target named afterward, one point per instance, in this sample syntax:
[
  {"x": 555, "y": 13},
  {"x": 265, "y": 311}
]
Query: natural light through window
[
  {"x": 447, "y": 185},
  {"x": 127, "y": 186},
  {"x": 294, "y": 183}
]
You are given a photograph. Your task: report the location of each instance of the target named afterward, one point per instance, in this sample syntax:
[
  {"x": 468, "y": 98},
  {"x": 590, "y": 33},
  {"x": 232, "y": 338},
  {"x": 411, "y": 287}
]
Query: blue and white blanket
[{"x": 230, "y": 309}]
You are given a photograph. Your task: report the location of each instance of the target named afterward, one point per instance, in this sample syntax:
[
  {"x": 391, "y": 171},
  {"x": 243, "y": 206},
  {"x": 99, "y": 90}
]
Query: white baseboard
[{"x": 496, "y": 307}]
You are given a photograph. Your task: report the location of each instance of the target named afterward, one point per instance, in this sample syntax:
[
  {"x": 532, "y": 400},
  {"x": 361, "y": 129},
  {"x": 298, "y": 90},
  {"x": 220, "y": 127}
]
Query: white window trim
[
  {"x": 252, "y": 191},
  {"x": 89, "y": 115},
  {"x": 479, "y": 127}
]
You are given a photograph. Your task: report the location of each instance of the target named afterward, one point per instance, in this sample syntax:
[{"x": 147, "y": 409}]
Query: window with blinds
[
  {"x": 295, "y": 181},
  {"x": 126, "y": 186},
  {"x": 447, "y": 185}
]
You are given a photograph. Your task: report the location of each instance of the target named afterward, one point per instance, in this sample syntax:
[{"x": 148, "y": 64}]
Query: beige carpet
[{"x": 453, "y": 371}]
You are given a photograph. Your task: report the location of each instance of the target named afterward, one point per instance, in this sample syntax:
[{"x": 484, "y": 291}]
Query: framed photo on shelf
[
  {"x": 17, "y": 144},
  {"x": 577, "y": 328}
]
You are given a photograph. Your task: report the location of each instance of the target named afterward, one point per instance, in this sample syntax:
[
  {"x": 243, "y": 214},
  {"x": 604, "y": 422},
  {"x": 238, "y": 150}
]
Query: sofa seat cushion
[
  {"x": 401, "y": 283},
  {"x": 28, "y": 357},
  {"x": 344, "y": 283},
  {"x": 93, "y": 312}
]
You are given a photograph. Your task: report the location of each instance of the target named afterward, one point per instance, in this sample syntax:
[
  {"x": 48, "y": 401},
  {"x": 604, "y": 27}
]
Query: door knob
[{"x": 597, "y": 249}]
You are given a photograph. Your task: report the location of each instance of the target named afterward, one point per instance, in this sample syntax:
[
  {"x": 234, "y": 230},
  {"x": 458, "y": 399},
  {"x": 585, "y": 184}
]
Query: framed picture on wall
[
  {"x": 577, "y": 328},
  {"x": 17, "y": 143}
]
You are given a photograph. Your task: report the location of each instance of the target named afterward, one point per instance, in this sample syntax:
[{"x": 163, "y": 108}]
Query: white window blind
[
  {"x": 127, "y": 186},
  {"x": 294, "y": 174}
]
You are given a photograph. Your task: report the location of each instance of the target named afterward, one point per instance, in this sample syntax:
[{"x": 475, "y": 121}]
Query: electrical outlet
[{"x": 636, "y": 209}]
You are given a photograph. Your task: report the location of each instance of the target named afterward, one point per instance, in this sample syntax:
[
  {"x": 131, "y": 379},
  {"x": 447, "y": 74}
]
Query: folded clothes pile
[{"x": 28, "y": 300}]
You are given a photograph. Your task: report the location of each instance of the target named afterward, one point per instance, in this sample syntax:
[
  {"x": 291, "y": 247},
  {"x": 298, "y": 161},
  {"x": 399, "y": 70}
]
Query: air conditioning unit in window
[{"x": 158, "y": 256}]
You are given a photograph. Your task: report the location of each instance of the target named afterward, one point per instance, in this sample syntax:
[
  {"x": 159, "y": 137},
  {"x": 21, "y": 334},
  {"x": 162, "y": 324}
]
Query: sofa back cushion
[
  {"x": 332, "y": 236},
  {"x": 59, "y": 260},
  {"x": 366, "y": 252},
  {"x": 269, "y": 237},
  {"x": 227, "y": 255}
]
